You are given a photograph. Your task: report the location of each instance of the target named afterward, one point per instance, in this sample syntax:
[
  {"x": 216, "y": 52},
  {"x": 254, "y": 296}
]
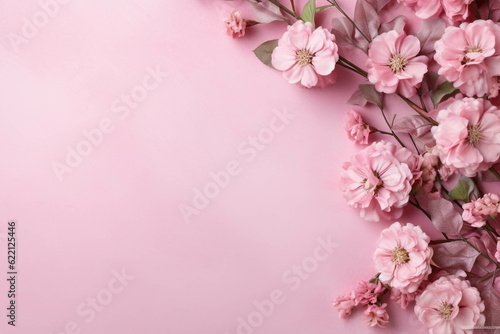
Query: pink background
[{"x": 119, "y": 208}]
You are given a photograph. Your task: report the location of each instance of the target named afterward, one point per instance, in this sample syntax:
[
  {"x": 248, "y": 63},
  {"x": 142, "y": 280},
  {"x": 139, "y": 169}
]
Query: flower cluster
[{"x": 434, "y": 161}]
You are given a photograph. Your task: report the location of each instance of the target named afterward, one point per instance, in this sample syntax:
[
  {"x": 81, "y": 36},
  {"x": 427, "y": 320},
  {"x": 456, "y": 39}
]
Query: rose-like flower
[
  {"x": 235, "y": 24},
  {"x": 367, "y": 292},
  {"x": 469, "y": 56},
  {"x": 455, "y": 10},
  {"x": 497, "y": 253},
  {"x": 345, "y": 304},
  {"x": 450, "y": 305},
  {"x": 403, "y": 257},
  {"x": 468, "y": 135},
  {"x": 378, "y": 180},
  {"x": 356, "y": 129},
  {"x": 304, "y": 54},
  {"x": 394, "y": 65},
  {"x": 476, "y": 212},
  {"x": 376, "y": 315},
  {"x": 404, "y": 299}
]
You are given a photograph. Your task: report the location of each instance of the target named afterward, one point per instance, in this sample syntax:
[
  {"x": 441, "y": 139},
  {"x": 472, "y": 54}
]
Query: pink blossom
[
  {"x": 304, "y": 54},
  {"x": 450, "y": 305},
  {"x": 455, "y": 10},
  {"x": 476, "y": 212},
  {"x": 356, "y": 129},
  {"x": 404, "y": 299},
  {"x": 378, "y": 180},
  {"x": 497, "y": 253},
  {"x": 345, "y": 304},
  {"x": 235, "y": 24},
  {"x": 468, "y": 135},
  {"x": 367, "y": 292},
  {"x": 469, "y": 56},
  {"x": 394, "y": 65},
  {"x": 403, "y": 257},
  {"x": 376, "y": 315}
]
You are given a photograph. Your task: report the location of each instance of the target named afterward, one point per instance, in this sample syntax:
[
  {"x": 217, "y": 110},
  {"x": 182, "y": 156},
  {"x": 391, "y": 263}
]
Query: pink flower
[
  {"x": 367, "y": 293},
  {"x": 469, "y": 56},
  {"x": 304, "y": 54},
  {"x": 345, "y": 304},
  {"x": 455, "y": 10},
  {"x": 376, "y": 315},
  {"x": 356, "y": 129},
  {"x": 403, "y": 257},
  {"x": 404, "y": 299},
  {"x": 450, "y": 305},
  {"x": 424, "y": 8},
  {"x": 476, "y": 212},
  {"x": 468, "y": 135},
  {"x": 378, "y": 180},
  {"x": 497, "y": 253},
  {"x": 394, "y": 65},
  {"x": 235, "y": 24}
]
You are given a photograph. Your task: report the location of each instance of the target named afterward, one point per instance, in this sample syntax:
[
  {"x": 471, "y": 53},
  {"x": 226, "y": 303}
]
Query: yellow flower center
[
  {"x": 398, "y": 63},
  {"x": 470, "y": 49},
  {"x": 474, "y": 134},
  {"x": 400, "y": 256},
  {"x": 446, "y": 310},
  {"x": 304, "y": 57}
]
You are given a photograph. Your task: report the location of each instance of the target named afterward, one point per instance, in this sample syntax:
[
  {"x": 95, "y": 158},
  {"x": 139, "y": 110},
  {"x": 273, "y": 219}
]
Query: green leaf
[
  {"x": 446, "y": 89},
  {"x": 309, "y": 11},
  {"x": 265, "y": 50},
  {"x": 322, "y": 8},
  {"x": 462, "y": 190}
]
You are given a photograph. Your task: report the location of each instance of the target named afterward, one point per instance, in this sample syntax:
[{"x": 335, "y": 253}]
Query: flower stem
[
  {"x": 358, "y": 69},
  {"x": 288, "y": 11},
  {"x": 293, "y": 6},
  {"x": 390, "y": 127},
  {"x": 341, "y": 63},
  {"x": 334, "y": 3},
  {"x": 418, "y": 206},
  {"x": 419, "y": 110},
  {"x": 476, "y": 10},
  {"x": 479, "y": 251},
  {"x": 495, "y": 172}
]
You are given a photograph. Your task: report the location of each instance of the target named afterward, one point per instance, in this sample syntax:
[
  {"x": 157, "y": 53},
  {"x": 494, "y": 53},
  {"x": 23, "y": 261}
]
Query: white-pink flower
[
  {"x": 469, "y": 57},
  {"x": 403, "y": 257},
  {"x": 235, "y": 24},
  {"x": 476, "y": 212},
  {"x": 403, "y": 299},
  {"x": 357, "y": 130},
  {"x": 394, "y": 64},
  {"x": 450, "y": 305},
  {"x": 305, "y": 54},
  {"x": 456, "y": 10},
  {"x": 468, "y": 135},
  {"x": 497, "y": 253},
  {"x": 375, "y": 315},
  {"x": 378, "y": 180}
]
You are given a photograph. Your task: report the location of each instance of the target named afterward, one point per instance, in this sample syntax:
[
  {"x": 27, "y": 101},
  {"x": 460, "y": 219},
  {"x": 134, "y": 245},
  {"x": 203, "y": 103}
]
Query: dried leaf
[
  {"x": 415, "y": 125},
  {"x": 444, "y": 216},
  {"x": 490, "y": 297},
  {"x": 398, "y": 23},
  {"x": 358, "y": 99},
  {"x": 366, "y": 18},
  {"x": 266, "y": 12},
  {"x": 372, "y": 95},
  {"x": 455, "y": 255},
  {"x": 378, "y": 4},
  {"x": 343, "y": 31},
  {"x": 430, "y": 31},
  {"x": 265, "y": 50}
]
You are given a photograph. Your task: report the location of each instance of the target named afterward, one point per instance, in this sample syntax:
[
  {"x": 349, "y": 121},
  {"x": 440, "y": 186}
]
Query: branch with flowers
[{"x": 439, "y": 158}]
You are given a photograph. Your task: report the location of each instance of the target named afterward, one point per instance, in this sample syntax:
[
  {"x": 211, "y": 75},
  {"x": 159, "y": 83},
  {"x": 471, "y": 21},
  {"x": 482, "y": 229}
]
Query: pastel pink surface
[{"x": 119, "y": 209}]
